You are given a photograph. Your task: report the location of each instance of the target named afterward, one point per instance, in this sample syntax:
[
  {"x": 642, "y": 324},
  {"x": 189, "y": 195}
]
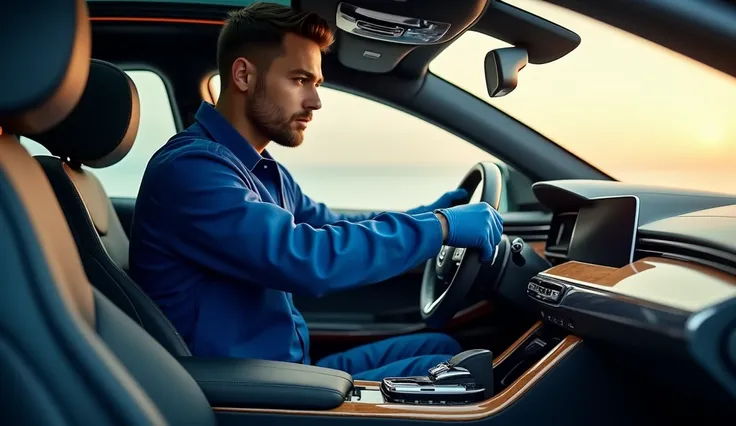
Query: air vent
[
  {"x": 707, "y": 256},
  {"x": 559, "y": 237}
]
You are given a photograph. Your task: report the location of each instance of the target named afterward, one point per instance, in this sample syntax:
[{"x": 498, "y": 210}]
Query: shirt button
[{"x": 265, "y": 166}]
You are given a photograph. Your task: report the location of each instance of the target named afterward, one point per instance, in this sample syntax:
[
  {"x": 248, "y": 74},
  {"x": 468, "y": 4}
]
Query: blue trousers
[{"x": 410, "y": 355}]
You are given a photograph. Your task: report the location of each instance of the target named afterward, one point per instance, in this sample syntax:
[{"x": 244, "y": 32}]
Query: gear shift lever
[
  {"x": 475, "y": 364},
  {"x": 464, "y": 378}
]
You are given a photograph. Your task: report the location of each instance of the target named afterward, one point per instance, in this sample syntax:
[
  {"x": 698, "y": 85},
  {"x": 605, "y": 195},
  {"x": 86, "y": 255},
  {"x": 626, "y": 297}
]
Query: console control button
[{"x": 544, "y": 290}]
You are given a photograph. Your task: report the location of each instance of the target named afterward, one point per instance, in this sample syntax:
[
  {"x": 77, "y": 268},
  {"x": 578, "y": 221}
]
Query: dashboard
[
  {"x": 689, "y": 225},
  {"x": 644, "y": 270}
]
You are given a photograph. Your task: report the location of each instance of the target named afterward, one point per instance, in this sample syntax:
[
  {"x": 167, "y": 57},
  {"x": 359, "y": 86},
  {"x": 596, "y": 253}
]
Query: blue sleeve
[{"x": 221, "y": 223}]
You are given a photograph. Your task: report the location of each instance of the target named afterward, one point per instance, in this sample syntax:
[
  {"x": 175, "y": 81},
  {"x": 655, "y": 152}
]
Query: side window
[
  {"x": 364, "y": 155},
  {"x": 156, "y": 127}
]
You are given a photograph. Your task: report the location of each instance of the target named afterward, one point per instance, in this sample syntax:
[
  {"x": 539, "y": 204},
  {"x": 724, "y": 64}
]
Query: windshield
[{"x": 631, "y": 108}]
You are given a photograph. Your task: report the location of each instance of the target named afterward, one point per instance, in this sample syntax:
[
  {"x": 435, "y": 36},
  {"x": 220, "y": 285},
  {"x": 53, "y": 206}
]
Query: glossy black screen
[{"x": 604, "y": 232}]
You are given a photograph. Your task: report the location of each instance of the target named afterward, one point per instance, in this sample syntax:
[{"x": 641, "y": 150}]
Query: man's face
[{"x": 284, "y": 97}]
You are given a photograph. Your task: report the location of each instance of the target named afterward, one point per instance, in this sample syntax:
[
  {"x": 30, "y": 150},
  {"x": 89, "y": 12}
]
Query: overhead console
[
  {"x": 382, "y": 26},
  {"x": 375, "y": 35}
]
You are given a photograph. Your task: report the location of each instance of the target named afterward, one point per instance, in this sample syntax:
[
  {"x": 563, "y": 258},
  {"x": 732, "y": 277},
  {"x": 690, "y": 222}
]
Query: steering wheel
[{"x": 454, "y": 270}]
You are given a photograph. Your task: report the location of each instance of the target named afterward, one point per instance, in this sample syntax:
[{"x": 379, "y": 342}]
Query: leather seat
[
  {"x": 99, "y": 132},
  {"x": 69, "y": 355}
]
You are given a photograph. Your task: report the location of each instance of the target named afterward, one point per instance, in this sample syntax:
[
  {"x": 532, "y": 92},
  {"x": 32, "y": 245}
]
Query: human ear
[{"x": 243, "y": 74}]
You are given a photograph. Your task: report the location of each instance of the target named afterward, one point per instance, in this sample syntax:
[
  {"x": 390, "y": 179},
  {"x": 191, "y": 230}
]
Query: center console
[
  {"x": 473, "y": 382},
  {"x": 473, "y": 385},
  {"x": 473, "y": 379}
]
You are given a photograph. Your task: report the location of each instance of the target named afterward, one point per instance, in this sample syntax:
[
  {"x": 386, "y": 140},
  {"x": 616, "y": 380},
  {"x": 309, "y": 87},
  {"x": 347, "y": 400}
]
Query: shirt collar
[{"x": 224, "y": 133}]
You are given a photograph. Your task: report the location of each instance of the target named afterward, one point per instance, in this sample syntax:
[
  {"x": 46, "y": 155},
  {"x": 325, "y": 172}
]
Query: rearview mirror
[{"x": 502, "y": 69}]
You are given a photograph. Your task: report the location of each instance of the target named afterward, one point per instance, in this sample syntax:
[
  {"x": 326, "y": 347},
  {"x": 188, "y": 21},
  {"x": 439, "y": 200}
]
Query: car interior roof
[
  {"x": 671, "y": 24},
  {"x": 545, "y": 41}
]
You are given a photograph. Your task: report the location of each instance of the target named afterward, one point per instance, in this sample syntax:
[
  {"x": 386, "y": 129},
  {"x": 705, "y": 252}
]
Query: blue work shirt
[{"x": 222, "y": 237}]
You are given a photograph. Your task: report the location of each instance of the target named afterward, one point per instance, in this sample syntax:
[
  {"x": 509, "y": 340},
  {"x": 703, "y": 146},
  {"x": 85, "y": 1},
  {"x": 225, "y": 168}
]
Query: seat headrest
[
  {"x": 101, "y": 129},
  {"x": 44, "y": 61}
]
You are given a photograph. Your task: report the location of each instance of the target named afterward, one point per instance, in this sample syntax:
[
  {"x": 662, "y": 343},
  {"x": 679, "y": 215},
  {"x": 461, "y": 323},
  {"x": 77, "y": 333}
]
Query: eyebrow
[{"x": 307, "y": 74}]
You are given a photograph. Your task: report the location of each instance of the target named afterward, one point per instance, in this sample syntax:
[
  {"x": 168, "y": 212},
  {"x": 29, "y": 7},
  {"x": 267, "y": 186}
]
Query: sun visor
[{"x": 374, "y": 35}]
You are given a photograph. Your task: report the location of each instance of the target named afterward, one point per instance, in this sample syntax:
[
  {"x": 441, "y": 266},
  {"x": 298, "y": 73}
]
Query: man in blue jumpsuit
[{"x": 223, "y": 236}]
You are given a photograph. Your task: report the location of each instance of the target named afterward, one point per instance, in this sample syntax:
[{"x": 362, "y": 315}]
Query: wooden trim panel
[
  {"x": 514, "y": 346},
  {"x": 672, "y": 283},
  {"x": 481, "y": 410}
]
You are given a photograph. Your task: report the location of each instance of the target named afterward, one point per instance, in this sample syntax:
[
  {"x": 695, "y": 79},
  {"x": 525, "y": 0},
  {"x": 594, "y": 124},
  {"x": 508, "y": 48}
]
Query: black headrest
[
  {"x": 101, "y": 129},
  {"x": 44, "y": 61}
]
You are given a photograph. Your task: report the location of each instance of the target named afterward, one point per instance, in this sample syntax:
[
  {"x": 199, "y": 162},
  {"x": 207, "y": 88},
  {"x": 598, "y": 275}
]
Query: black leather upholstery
[
  {"x": 53, "y": 370},
  {"x": 173, "y": 390},
  {"x": 68, "y": 356},
  {"x": 103, "y": 257},
  {"x": 25, "y": 106},
  {"x": 100, "y": 131},
  {"x": 268, "y": 384}
]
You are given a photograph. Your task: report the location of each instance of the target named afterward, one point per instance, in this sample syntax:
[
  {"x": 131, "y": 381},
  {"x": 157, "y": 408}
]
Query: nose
[{"x": 313, "y": 102}]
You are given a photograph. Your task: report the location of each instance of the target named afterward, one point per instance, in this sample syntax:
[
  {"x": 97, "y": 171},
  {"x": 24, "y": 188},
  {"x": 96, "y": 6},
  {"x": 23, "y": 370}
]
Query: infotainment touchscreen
[{"x": 605, "y": 232}]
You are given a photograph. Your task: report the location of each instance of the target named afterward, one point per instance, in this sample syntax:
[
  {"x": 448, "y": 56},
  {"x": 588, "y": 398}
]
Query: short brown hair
[{"x": 256, "y": 32}]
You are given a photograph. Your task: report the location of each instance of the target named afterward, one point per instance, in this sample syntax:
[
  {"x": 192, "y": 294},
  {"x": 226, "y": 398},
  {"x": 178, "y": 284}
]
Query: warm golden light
[{"x": 632, "y": 108}]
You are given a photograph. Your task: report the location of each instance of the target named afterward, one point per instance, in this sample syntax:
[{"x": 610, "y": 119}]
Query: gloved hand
[
  {"x": 476, "y": 225},
  {"x": 445, "y": 201}
]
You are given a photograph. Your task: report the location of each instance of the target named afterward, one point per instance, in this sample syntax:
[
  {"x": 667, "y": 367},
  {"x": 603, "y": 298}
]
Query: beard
[{"x": 270, "y": 119}]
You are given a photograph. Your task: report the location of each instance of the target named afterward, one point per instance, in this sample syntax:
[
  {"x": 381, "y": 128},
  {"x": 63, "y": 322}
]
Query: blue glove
[
  {"x": 446, "y": 200},
  {"x": 476, "y": 225}
]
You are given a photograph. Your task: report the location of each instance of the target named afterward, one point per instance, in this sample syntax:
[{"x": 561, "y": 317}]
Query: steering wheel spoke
[
  {"x": 455, "y": 269},
  {"x": 447, "y": 262}
]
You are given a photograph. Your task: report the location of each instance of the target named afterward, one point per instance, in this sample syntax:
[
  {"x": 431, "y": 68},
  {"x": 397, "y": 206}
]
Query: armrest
[{"x": 235, "y": 382}]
